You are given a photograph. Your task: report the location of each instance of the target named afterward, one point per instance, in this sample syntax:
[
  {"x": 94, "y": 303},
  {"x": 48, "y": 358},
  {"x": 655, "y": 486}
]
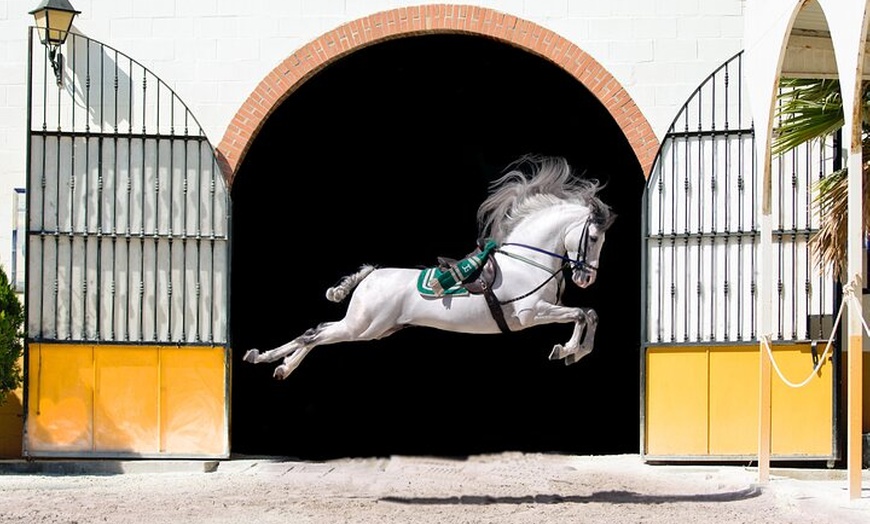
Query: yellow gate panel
[
  {"x": 726, "y": 379},
  {"x": 676, "y": 401},
  {"x": 866, "y": 393},
  {"x": 801, "y": 418},
  {"x": 126, "y": 412},
  {"x": 135, "y": 400},
  {"x": 733, "y": 400},
  {"x": 60, "y": 398},
  {"x": 193, "y": 401}
]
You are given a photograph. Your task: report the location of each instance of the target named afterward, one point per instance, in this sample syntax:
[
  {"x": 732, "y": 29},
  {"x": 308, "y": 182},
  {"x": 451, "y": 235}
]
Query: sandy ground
[{"x": 503, "y": 488}]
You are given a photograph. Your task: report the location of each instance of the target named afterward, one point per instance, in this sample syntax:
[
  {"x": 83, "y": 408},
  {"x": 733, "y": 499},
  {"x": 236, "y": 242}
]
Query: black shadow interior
[{"x": 383, "y": 157}]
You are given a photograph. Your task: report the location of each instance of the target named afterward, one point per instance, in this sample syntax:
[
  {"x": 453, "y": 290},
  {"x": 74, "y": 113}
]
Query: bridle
[
  {"x": 578, "y": 263},
  {"x": 582, "y": 246}
]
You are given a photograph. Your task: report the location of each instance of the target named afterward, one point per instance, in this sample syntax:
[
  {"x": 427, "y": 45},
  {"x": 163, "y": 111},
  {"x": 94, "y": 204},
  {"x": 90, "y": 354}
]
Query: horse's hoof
[
  {"x": 556, "y": 354},
  {"x": 576, "y": 356},
  {"x": 251, "y": 356},
  {"x": 281, "y": 372}
]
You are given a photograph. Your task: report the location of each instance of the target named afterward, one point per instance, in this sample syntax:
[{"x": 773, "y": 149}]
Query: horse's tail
[{"x": 347, "y": 284}]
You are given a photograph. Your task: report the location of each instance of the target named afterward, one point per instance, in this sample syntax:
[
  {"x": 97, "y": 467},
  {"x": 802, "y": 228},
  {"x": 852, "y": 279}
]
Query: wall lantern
[{"x": 53, "y": 21}]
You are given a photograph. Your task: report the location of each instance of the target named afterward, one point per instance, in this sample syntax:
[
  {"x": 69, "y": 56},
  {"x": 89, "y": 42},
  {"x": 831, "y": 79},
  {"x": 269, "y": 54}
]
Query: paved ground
[{"x": 504, "y": 488}]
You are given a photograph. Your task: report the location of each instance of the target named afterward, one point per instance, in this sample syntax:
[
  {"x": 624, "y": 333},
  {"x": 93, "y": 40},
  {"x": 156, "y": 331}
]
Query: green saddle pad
[
  {"x": 431, "y": 275},
  {"x": 437, "y": 282}
]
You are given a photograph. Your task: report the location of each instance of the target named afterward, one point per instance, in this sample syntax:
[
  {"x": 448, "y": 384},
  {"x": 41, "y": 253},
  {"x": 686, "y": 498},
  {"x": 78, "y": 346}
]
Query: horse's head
[
  {"x": 533, "y": 209},
  {"x": 583, "y": 245}
]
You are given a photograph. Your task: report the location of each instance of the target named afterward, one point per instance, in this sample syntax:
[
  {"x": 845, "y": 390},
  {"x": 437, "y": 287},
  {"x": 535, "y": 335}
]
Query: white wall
[{"x": 214, "y": 52}]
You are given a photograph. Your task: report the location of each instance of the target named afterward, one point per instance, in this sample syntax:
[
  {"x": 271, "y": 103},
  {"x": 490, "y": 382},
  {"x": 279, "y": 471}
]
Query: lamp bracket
[{"x": 56, "y": 59}]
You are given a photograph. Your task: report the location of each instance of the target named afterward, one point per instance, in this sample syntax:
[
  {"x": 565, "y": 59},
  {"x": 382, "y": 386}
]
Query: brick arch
[{"x": 428, "y": 19}]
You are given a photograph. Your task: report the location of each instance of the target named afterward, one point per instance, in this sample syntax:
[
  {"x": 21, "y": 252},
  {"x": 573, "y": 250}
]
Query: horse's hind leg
[
  {"x": 328, "y": 333},
  {"x": 255, "y": 357},
  {"x": 291, "y": 362}
]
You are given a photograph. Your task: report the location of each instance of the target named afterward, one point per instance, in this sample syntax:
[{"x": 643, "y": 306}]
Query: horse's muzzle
[{"x": 583, "y": 278}]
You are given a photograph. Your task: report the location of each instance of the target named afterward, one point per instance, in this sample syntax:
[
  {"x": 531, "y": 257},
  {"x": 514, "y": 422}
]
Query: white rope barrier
[{"x": 849, "y": 296}]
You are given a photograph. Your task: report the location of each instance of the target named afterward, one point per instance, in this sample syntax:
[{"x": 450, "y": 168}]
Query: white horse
[{"x": 541, "y": 220}]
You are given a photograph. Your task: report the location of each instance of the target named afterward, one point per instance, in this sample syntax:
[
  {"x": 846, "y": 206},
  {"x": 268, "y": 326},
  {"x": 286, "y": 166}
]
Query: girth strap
[{"x": 495, "y": 308}]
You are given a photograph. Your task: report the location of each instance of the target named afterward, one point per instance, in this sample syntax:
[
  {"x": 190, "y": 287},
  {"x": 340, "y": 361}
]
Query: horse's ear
[{"x": 604, "y": 217}]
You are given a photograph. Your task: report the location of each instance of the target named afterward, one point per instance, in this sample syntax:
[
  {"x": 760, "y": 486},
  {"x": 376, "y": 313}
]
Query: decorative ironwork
[
  {"x": 127, "y": 236},
  {"x": 701, "y": 231}
]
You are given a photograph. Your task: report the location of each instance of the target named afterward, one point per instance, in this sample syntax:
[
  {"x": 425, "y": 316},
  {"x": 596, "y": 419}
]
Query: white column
[
  {"x": 847, "y": 20},
  {"x": 767, "y": 25}
]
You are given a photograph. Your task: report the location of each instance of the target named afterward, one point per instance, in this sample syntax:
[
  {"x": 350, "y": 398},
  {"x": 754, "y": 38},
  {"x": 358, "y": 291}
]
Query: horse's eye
[{"x": 593, "y": 239}]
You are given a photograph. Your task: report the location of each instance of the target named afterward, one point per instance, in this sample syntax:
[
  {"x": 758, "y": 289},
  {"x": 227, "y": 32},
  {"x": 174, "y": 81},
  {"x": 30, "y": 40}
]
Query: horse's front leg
[
  {"x": 582, "y": 338},
  {"x": 587, "y": 340}
]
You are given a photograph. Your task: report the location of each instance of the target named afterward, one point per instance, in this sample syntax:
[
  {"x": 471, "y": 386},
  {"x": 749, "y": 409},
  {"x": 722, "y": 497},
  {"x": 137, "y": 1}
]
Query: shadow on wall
[{"x": 11, "y": 425}]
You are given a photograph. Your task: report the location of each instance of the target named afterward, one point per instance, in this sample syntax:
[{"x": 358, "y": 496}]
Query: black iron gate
[
  {"x": 701, "y": 231},
  {"x": 127, "y": 248},
  {"x": 700, "y": 332}
]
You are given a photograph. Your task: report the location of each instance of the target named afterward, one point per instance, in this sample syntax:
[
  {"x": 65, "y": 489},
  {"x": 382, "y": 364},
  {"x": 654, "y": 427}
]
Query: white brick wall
[{"x": 213, "y": 53}]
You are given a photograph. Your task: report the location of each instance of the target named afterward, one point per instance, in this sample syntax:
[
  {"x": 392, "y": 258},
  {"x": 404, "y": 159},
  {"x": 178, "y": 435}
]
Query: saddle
[{"x": 476, "y": 272}]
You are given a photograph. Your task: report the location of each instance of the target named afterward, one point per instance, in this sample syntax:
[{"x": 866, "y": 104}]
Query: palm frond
[
  {"x": 831, "y": 205},
  {"x": 806, "y": 109},
  {"x": 809, "y": 109}
]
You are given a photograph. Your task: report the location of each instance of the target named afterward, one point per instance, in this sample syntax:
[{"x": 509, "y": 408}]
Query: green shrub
[{"x": 11, "y": 336}]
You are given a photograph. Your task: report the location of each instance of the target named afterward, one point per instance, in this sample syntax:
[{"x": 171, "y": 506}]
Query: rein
[
  {"x": 564, "y": 258},
  {"x": 567, "y": 262},
  {"x": 539, "y": 286}
]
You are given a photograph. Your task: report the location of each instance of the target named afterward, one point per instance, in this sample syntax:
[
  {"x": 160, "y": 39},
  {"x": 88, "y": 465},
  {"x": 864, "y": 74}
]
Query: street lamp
[{"x": 53, "y": 21}]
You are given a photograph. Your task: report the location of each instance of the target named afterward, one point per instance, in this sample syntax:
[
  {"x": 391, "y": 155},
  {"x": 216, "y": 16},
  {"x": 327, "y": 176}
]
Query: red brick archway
[{"x": 436, "y": 18}]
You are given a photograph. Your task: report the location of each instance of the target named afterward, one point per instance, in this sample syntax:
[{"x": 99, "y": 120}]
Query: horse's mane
[{"x": 534, "y": 183}]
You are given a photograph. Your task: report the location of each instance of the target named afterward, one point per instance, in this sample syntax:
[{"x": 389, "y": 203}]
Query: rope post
[
  {"x": 767, "y": 364},
  {"x": 856, "y": 352},
  {"x": 764, "y": 412},
  {"x": 765, "y": 305},
  {"x": 854, "y": 379}
]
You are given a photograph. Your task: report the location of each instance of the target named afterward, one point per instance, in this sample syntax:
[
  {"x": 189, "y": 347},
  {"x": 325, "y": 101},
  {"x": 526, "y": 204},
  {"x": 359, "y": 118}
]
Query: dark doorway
[{"x": 383, "y": 158}]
